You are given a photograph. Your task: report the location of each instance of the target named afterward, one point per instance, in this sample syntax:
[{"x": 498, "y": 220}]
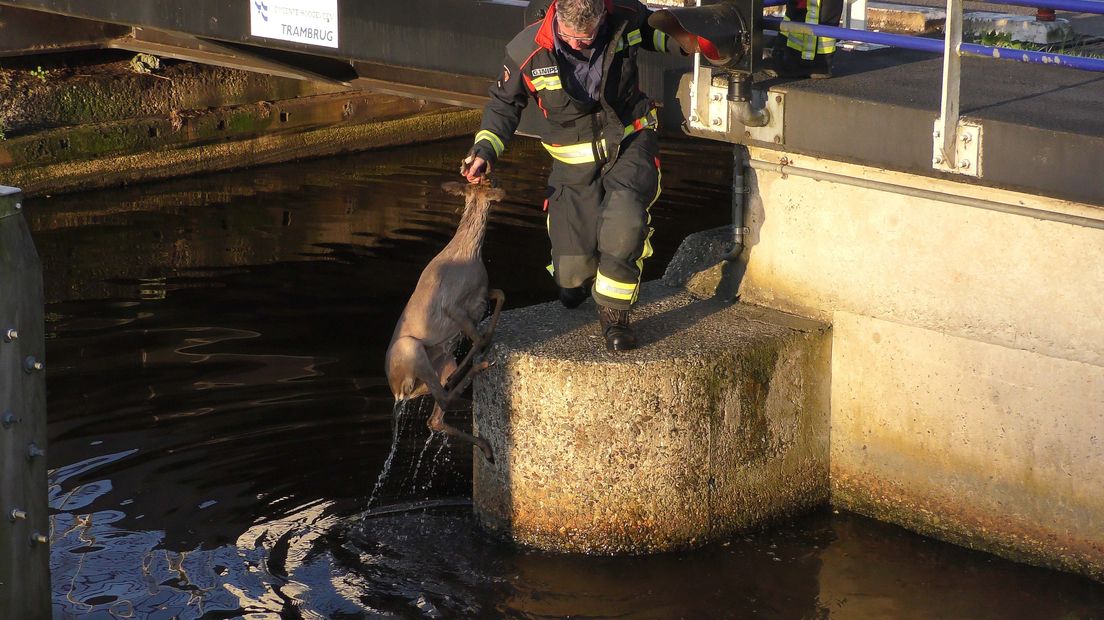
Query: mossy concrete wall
[
  {"x": 102, "y": 124},
  {"x": 717, "y": 423},
  {"x": 968, "y": 354}
]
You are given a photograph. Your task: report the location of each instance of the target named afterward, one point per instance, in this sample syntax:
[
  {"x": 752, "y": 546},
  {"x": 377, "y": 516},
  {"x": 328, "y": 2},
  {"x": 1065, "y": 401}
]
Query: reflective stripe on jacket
[{"x": 531, "y": 70}]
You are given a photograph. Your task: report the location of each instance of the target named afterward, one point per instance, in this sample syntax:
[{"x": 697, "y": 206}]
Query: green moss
[{"x": 244, "y": 121}]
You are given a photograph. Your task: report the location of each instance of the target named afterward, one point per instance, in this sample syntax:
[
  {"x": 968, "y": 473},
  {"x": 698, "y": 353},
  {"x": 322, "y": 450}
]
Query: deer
[{"x": 448, "y": 302}]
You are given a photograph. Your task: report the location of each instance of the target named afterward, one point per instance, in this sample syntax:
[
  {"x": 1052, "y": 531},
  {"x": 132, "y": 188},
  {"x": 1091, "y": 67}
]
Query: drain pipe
[
  {"x": 739, "y": 93},
  {"x": 739, "y": 197}
]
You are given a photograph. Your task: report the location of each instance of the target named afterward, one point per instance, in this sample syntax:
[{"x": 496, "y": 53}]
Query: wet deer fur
[{"x": 449, "y": 301}]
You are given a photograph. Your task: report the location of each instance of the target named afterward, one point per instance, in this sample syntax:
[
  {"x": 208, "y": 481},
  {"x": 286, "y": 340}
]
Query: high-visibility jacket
[{"x": 573, "y": 131}]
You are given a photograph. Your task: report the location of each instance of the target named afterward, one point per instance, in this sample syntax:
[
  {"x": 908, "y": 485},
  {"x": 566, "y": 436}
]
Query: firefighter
[
  {"x": 579, "y": 64},
  {"x": 797, "y": 55}
]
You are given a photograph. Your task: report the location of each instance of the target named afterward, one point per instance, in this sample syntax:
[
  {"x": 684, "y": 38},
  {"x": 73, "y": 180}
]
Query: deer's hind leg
[
  {"x": 437, "y": 423},
  {"x": 458, "y": 380}
]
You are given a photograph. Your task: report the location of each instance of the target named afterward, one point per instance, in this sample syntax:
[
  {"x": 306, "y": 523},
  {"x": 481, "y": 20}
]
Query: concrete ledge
[
  {"x": 719, "y": 422},
  {"x": 220, "y": 156},
  {"x": 904, "y": 18}
]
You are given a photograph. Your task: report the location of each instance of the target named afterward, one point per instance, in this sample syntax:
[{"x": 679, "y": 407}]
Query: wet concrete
[{"x": 717, "y": 423}]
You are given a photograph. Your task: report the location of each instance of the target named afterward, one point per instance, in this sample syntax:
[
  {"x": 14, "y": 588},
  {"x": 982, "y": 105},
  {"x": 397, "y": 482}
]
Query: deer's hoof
[{"x": 485, "y": 448}]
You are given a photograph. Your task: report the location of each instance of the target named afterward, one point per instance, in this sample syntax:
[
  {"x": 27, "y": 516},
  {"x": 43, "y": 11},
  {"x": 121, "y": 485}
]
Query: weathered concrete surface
[
  {"x": 988, "y": 447},
  {"x": 718, "y": 422},
  {"x": 699, "y": 264},
  {"x": 100, "y": 123},
  {"x": 105, "y": 90},
  {"x": 967, "y": 397},
  {"x": 181, "y": 129},
  {"x": 268, "y": 149},
  {"x": 904, "y": 18}
]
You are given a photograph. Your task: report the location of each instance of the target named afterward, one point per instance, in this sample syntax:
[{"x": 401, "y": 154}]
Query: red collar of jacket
[{"x": 546, "y": 34}]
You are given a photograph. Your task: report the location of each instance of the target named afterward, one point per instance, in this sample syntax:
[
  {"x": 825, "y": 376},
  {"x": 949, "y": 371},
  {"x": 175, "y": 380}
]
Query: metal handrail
[
  {"x": 948, "y": 132},
  {"x": 1075, "y": 6},
  {"x": 936, "y": 45}
]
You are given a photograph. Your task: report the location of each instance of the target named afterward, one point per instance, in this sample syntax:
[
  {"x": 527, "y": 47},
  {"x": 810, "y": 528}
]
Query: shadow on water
[{"x": 218, "y": 419}]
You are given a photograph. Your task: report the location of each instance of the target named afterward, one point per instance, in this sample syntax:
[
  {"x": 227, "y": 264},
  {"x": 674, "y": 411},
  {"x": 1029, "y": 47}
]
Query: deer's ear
[{"x": 455, "y": 188}]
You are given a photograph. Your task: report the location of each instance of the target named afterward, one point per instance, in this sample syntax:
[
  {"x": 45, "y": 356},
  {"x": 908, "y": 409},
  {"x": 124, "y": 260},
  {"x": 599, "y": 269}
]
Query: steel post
[
  {"x": 952, "y": 78},
  {"x": 24, "y": 522}
]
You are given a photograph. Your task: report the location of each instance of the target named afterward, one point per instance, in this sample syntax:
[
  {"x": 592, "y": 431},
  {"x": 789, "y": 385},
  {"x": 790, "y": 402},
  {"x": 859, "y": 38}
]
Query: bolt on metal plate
[
  {"x": 774, "y": 131},
  {"x": 968, "y": 153}
]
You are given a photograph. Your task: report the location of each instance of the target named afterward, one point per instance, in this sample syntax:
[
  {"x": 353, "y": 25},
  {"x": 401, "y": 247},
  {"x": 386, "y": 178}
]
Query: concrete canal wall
[
  {"x": 967, "y": 383},
  {"x": 102, "y": 124},
  {"x": 959, "y": 391}
]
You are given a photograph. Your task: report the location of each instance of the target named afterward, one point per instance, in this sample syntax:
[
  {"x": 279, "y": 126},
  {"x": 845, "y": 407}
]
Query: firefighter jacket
[{"x": 573, "y": 132}]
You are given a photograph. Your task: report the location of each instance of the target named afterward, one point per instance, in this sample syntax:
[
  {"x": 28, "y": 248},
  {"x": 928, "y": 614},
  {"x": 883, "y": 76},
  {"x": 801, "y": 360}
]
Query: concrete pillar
[
  {"x": 718, "y": 422},
  {"x": 24, "y": 523}
]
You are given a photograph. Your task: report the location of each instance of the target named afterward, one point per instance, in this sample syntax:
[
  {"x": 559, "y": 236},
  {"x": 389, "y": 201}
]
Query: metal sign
[{"x": 312, "y": 22}]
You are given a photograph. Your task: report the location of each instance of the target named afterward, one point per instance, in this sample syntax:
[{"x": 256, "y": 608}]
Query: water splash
[
  {"x": 437, "y": 457},
  {"x": 418, "y": 464},
  {"x": 399, "y": 415}
]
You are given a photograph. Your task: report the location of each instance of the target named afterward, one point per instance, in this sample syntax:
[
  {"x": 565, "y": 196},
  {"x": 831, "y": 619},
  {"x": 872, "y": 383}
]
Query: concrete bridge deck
[{"x": 1043, "y": 125}]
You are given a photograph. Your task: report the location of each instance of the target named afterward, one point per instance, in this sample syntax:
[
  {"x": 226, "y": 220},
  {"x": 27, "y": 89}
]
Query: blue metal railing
[{"x": 965, "y": 49}]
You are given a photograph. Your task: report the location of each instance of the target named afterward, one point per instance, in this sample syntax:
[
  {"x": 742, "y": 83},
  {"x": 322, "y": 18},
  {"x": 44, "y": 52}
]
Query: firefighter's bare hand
[{"x": 474, "y": 168}]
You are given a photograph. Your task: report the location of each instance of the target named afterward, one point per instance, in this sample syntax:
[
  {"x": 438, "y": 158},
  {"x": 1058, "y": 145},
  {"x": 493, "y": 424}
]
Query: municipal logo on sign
[{"x": 313, "y": 22}]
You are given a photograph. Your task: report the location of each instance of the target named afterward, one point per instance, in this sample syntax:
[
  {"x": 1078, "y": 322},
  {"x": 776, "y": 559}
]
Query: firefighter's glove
[{"x": 474, "y": 168}]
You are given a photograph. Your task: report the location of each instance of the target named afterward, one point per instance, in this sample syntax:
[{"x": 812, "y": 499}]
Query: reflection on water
[{"x": 218, "y": 418}]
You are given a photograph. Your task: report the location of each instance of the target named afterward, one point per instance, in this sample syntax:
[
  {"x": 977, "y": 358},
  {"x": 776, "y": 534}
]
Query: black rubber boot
[
  {"x": 615, "y": 328},
  {"x": 790, "y": 65},
  {"x": 821, "y": 68},
  {"x": 572, "y": 297}
]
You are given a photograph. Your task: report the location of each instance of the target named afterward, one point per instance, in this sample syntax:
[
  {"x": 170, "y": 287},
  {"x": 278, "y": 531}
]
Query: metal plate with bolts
[
  {"x": 710, "y": 106},
  {"x": 967, "y": 156},
  {"x": 715, "y": 112},
  {"x": 774, "y": 131}
]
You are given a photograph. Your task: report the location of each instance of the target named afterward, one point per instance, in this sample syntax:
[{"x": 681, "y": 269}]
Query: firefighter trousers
[{"x": 598, "y": 224}]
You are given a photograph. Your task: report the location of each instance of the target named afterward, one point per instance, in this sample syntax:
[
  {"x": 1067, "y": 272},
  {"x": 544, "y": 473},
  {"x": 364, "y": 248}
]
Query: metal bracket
[
  {"x": 710, "y": 107},
  {"x": 713, "y": 111},
  {"x": 967, "y": 149}
]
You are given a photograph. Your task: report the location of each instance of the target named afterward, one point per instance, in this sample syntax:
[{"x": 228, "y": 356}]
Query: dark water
[{"x": 218, "y": 417}]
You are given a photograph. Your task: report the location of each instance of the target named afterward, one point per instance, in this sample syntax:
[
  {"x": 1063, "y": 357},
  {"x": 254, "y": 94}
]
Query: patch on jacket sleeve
[
  {"x": 545, "y": 71},
  {"x": 505, "y": 76}
]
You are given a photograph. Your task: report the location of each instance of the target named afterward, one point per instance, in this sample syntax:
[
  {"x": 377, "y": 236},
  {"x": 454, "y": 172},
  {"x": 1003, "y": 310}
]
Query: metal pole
[
  {"x": 694, "y": 116},
  {"x": 952, "y": 75}
]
